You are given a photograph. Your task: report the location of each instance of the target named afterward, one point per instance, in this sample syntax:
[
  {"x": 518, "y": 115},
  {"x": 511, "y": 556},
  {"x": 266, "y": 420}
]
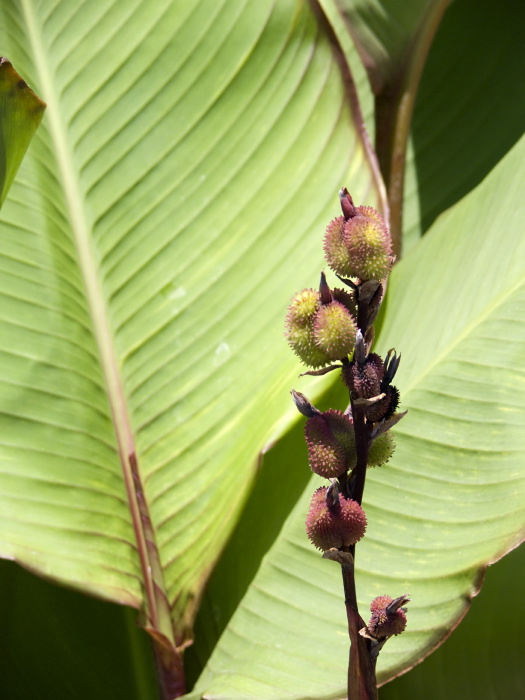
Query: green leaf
[
  {"x": 20, "y": 114},
  {"x": 351, "y": 57},
  {"x": 451, "y": 500},
  {"x": 458, "y": 135},
  {"x": 384, "y": 32},
  {"x": 477, "y": 660},
  {"x": 188, "y": 155}
]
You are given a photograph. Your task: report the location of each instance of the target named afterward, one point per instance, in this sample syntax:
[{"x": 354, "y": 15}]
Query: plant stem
[
  {"x": 361, "y": 668},
  {"x": 394, "y": 107},
  {"x": 362, "y": 683},
  {"x": 362, "y": 432}
]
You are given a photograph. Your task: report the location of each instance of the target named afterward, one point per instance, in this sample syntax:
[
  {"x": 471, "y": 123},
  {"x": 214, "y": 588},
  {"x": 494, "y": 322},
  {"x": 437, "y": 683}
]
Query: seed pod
[
  {"x": 299, "y": 328},
  {"x": 386, "y": 407},
  {"x": 334, "y": 330},
  {"x": 335, "y": 250},
  {"x": 338, "y": 526},
  {"x": 358, "y": 244},
  {"x": 388, "y": 618},
  {"x": 331, "y": 443},
  {"x": 363, "y": 379},
  {"x": 381, "y": 449},
  {"x": 369, "y": 245},
  {"x": 303, "y": 308},
  {"x": 303, "y": 344}
]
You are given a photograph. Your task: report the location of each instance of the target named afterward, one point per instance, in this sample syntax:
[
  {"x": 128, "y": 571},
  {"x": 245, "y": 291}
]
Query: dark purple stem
[
  {"x": 362, "y": 683},
  {"x": 362, "y": 431}
]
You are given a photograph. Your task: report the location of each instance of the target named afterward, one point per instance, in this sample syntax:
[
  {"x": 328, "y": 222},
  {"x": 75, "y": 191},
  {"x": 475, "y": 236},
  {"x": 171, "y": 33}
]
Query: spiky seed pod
[
  {"x": 325, "y": 455},
  {"x": 381, "y": 449},
  {"x": 371, "y": 213},
  {"x": 386, "y": 407},
  {"x": 299, "y": 329},
  {"x": 340, "y": 526},
  {"x": 331, "y": 443},
  {"x": 342, "y": 428},
  {"x": 303, "y": 308},
  {"x": 380, "y": 603},
  {"x": 369, "y": 247},
  {"x": 346, "y": 299},
  {"x": 334, "y": 330},
  {"x": 335, "y": 250},
  {"x": 364, "y": 380},
  {"x": 303, "y": 344},
  {"x": 385, "y": 623}
]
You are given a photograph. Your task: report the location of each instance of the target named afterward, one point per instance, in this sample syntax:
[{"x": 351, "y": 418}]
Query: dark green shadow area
[
  {"x": 483, "y": 658},
  {"x": 57, "y": 644},
  {"x": 282, "y": 479},
  {"x": 470, "y": 109}
]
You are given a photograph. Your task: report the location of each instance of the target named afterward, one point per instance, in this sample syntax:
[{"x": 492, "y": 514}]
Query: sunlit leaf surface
[
  {"x": 170, "y": 205},
  {"x": 451, "y": 500}
]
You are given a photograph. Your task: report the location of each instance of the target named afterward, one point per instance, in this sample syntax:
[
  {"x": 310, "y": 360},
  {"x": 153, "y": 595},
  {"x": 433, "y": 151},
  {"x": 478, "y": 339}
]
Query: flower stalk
[{"x": 329, "y": 330}]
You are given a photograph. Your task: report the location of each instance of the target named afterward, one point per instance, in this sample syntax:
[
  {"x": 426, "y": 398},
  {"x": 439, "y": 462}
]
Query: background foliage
[{"x": 173, "y": 200}]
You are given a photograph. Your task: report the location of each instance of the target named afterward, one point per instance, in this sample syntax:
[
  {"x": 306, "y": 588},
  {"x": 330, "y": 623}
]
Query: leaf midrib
[{"x": 97, "y": 307}]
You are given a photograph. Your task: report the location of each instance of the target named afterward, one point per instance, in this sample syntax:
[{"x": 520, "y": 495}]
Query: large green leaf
[
  {"x": 20, "y": 114},
  {"x": 450, "y": 502},
  {"x": 189, "y": 153}
]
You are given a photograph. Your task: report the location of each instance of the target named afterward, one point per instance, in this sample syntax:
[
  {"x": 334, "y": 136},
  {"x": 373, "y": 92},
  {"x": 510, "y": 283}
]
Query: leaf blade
[
  {"x": 131, "y": 260},
  {"x": 450, "y": 503}
]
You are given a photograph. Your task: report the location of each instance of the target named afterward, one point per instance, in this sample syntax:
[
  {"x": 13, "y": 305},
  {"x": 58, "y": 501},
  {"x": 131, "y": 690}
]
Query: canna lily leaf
[
  {"x": 453, "y": 154},
  {"x": 449, "y": 503},
  {"x": 386, "y": 31},
  {"x": 187, "y": 154},
  {"x": 454, "y": 671}
]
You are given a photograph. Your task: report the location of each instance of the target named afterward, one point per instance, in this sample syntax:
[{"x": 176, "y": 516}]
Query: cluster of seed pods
[{"x": 328, "y": 326}]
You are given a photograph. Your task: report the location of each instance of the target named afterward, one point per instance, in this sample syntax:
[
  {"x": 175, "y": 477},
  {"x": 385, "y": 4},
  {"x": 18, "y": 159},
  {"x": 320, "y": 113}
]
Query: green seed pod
[
  {"x": 335, "y": 250},
  {"x": 299, "y": 328},
  {"x": 381, "y": 449},
  {"x": 338, "y": 526},
  {"x": 369, "y": 246},
  {"x": 334, "y": 330},
  {"x": 303, "y": 308},
  {"x": 371, "y": 213},
  {"x": 302, "y": 342}
]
